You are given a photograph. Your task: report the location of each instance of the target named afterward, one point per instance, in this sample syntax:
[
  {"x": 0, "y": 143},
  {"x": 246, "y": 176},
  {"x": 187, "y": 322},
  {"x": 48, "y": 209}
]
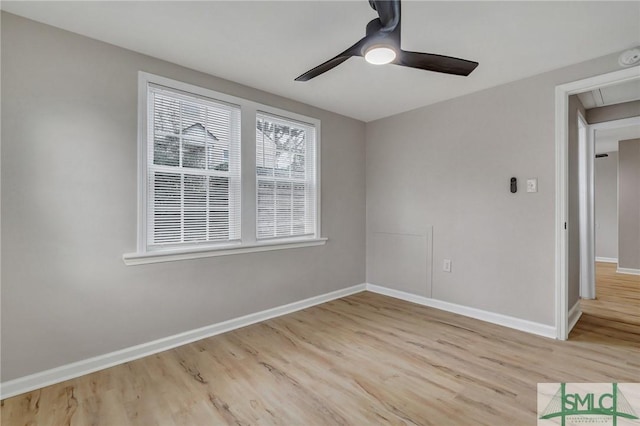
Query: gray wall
[
  {"x": 573, "y": 262},
  {"x": 448, "y": 166},
  {"x": 613, "y": 112},
  {"x": 629, "y": 204},
  {"x": 606, "y": 205},
  {"x": 69, "y": 115}
]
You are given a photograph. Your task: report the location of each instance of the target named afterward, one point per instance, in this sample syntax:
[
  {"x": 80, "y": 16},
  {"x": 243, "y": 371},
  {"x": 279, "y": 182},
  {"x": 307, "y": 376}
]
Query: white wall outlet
[
  {"x": 532, "y": 185},
  {"x": 446, "y": 266}
]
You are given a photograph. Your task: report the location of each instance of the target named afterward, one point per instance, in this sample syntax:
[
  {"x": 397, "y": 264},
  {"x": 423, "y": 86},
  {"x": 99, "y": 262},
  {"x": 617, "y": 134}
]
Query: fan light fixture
[
  {"x": 380, "y": 55},
  {"x": 382, "y": 45}
]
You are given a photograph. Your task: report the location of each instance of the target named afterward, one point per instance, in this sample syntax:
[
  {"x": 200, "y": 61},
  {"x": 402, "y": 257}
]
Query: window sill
[{"x": 131, "y": 259}]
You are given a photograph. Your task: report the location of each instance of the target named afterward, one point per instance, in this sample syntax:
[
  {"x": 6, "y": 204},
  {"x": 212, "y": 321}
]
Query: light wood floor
[
  {"x": 362, "y": 360},
  {"x": 617, "y": 296}
]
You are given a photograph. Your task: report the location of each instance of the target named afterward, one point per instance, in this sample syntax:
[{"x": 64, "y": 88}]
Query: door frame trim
[{"x": 586, "y": 206}]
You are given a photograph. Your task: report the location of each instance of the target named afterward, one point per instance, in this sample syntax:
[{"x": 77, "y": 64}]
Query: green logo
[{"x": 605, "y": 404}]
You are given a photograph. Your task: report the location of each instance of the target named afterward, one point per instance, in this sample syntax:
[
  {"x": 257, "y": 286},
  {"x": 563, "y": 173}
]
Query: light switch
[
  {"x": 532, "y": 185},
  {"x": 446, "y": 265}
]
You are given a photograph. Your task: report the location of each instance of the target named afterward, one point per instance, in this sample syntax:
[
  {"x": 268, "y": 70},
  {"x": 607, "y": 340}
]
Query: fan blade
[
  {"x": 333, "y": 62},
  {"x": 322, "y": 68},
  {"x": 437, "y": 63}
]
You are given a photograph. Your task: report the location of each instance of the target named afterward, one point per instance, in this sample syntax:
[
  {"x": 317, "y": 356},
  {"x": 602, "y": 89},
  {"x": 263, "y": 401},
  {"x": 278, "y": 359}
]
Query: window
[
  {"x": 193, "y": 170},
  {"x": 191, "y": 153},
  {"x": 286, "y": 178}
]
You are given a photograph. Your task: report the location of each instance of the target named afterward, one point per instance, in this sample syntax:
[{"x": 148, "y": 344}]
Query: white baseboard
[
  {"x": 90, "y": 365},
  {"x": 80, "y": 368},
  {"x": 606, "y": 259},
  {"x": 574, "y": 315},
  {"x": 628, "y": 271},
  {"x": 504, "y": 320}
]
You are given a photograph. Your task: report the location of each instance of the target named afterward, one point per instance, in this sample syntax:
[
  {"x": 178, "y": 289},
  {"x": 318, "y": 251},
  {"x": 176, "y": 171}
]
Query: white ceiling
[
  {"x": 267, "y": 44},
  {"x": 611, "y": 95},
  {"x": 607, "y": 139}
]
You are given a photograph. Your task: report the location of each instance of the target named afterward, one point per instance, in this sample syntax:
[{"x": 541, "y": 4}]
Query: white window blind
[
  {"x": 193, "y": 169},
  {"x": 286, "y": 199}
]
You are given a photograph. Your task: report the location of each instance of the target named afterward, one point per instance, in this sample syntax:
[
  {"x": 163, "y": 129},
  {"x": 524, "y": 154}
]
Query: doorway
[
  {"x": 612, "y": 299},
  {"x": 562, "y": 197}
]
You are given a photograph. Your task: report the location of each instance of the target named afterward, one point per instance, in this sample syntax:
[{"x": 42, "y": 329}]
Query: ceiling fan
[{"x": 381, "y": 45}]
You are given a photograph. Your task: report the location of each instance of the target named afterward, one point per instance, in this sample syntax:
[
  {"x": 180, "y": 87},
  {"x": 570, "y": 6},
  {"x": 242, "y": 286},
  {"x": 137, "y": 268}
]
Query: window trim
[
  {"x": 248, "y": 241},
  {"x": 223, "y": 250}
]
